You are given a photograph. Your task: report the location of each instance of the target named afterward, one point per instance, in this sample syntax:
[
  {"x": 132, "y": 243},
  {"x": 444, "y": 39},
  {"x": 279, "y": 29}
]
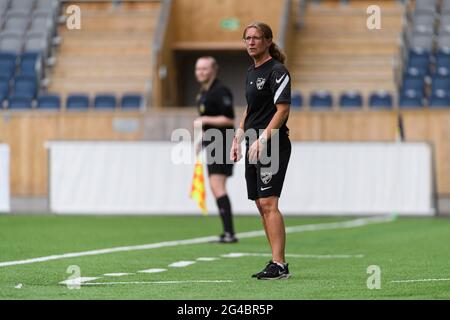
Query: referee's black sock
[{"x": 225, "y": 213}]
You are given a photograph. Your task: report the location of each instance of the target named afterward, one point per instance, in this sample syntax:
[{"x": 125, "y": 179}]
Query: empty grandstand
[{"x": 127, "y": 73}]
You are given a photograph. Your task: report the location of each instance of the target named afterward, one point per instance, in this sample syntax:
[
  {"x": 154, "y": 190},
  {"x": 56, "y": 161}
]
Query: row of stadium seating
[
  {"x": 27, "y": 32},
  {"x": 74, "y": 102},
  {"x": 28, "y": 25},
  {"x": 426, "y": 71},
  {"x": 381, "y": 99}
]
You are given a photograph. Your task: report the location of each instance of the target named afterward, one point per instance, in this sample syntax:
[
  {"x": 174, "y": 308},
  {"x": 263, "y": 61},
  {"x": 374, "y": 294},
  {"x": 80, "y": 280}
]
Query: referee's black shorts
[
  {"x": 218, "y": 167},
  {"x": 261, "y": 181}
]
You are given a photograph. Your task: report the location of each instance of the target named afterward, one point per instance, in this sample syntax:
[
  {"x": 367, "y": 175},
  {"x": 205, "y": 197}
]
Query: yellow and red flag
[{"x": 198, "y": 186}]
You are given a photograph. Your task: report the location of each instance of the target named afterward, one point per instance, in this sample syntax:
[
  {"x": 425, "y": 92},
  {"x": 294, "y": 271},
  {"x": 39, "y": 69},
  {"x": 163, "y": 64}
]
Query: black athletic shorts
[
  {"x": 218, "y": 167},
  {"x": 262, "y": 182}
]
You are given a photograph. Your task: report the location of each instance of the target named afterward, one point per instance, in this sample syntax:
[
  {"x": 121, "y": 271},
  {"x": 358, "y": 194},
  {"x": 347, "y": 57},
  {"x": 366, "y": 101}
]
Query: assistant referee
[
  {"x": 268, "y": 94},
  {"x": 215, "y": 107}
]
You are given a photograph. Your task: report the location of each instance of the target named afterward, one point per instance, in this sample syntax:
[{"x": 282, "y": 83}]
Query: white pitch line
[
  {"x": 154, "y": 270},
  {"x": 207, "y": 259},
  {"x": 117, "y": 274},
  {"x": 420, "y": 280},
  {"x": 181, "y": 264},
  {"x": 155, "y": 282},
  {"x": 78, "y": 281},
  {"x": 302, "y": 228},
  {"x": 290, "y": 255}
]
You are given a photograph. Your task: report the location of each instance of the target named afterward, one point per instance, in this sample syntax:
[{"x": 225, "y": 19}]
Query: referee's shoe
[
  {"x": 226, "y": 238},
  {"x": 273, "y": 271}
]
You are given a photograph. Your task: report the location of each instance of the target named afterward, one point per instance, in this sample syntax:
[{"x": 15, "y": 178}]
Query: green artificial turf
[{"x": 404, "y": 249}]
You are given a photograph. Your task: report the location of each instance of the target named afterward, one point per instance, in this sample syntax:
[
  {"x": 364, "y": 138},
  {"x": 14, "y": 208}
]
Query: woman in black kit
[
  {"x": 268, "y": 93},
  {"x": 215, "y": 106}
]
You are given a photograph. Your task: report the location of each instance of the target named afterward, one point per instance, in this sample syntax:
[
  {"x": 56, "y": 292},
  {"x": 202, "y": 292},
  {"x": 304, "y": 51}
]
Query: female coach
[{"x": 268, "y": 94}]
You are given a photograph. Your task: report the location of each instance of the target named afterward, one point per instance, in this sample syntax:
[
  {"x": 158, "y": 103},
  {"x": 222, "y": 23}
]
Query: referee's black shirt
[
  {"x": 216, "y": 101},
  {"x": 266, "y": 85}
]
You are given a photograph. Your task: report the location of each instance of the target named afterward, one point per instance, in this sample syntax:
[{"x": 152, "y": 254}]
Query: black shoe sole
[
  {"x": 224, "y": 242},
  {"x": 281, "y": 277}
]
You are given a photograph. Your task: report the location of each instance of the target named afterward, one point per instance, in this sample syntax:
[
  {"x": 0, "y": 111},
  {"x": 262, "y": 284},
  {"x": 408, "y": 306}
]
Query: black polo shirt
[
  {"x": 216, "y": 101},
  {"x": 266, "y": 85}
]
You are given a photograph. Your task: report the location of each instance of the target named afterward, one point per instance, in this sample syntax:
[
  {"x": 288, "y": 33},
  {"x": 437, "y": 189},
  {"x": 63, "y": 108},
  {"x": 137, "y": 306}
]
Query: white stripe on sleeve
[{"x": 280, "y": 89}]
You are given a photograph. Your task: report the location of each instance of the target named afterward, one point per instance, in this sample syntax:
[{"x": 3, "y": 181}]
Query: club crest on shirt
[
  {"x": 226, "y": 101},
  {"x": 266, "y": 176},
  {"x": 260, "y": 83},
  {"x": 202, "y": 108}
]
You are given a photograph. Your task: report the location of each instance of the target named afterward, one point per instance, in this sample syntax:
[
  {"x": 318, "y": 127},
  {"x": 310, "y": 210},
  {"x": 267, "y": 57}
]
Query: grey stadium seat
[
  {"x": 4, "y": 4},
  {"x": 17, "y": 13},
  {"x": 426, "y": 5},
  {"x": 444, "y": 24},
  {"x": 17, "y": 24},
  {"x": 37, "y": 43},
  {"x": 42, "y": 34},
  {"x": 421, "y": 41},
  {"x": 11, "y": 42},
  {"x": 445, "y": 8},
  {"x": 44, "y": 13},
  {"x": 50, "y": 4},
  {"x": 41, "y": 23},
  {"x": 444, "y": 41},
  {"x": 427, "y": 19},
  {"x": 25, "y": 5}
]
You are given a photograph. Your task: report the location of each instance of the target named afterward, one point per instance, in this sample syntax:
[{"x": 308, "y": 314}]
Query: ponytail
[{"x": 276, "y": 53}]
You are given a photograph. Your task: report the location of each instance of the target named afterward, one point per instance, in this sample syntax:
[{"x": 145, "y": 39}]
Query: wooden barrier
[{"x": 27, "y": 132}]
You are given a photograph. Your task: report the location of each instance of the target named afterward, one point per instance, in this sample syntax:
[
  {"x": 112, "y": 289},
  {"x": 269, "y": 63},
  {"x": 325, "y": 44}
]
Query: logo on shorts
[
  {"x": 266, "y": 177},
  {"x": 260, "y": 83}
]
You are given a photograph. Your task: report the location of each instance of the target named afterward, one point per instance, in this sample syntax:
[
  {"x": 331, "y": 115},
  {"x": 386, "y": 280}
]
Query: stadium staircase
[
  {"x": 110, "y": 54},
  {"x": 336, "y": 52}
]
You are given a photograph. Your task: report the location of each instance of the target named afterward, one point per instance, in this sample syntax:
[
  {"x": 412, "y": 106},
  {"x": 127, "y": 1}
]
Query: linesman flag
[{"x": 198, "y": 186}]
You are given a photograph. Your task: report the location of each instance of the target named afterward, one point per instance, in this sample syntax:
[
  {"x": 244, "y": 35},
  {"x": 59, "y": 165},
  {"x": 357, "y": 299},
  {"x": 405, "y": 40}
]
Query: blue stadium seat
[
  {"x": 440, "y": 82},
  {"x": 77, "y": 101},
  {"x": 439, "y": 99},
  {"x": 411, "y": 99},
  {"x": 321, "y": 99},
  {"x": 296, "y": 100},
  {"x": 382, "y": 99},
  {"x": 4, "y": 88},
  {"x": 49, "y": 101},
  {"x": 415, "y": 72},
  {"x": 7, "y": 64},
  {"x": 351, "y": 99},
  {"x": 105, "y": 101},
  {"x": 419, "y": 59},
  {"x": 131, "y": 101},
  {"x": 413, "y": 80},
  {"x": 25, "y": 85},
  {"x": 20, "y": 102},
  {"x": 29, "y": 63},
  {"x": 442, "y": 59}
]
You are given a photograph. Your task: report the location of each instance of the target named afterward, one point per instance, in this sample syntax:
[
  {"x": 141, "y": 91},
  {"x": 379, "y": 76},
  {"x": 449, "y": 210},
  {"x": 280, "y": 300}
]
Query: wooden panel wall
[
  {"x": 197, "y": 22},
  {"x": 27, "y": 132},
  {"x": 432, "y": 126}
]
